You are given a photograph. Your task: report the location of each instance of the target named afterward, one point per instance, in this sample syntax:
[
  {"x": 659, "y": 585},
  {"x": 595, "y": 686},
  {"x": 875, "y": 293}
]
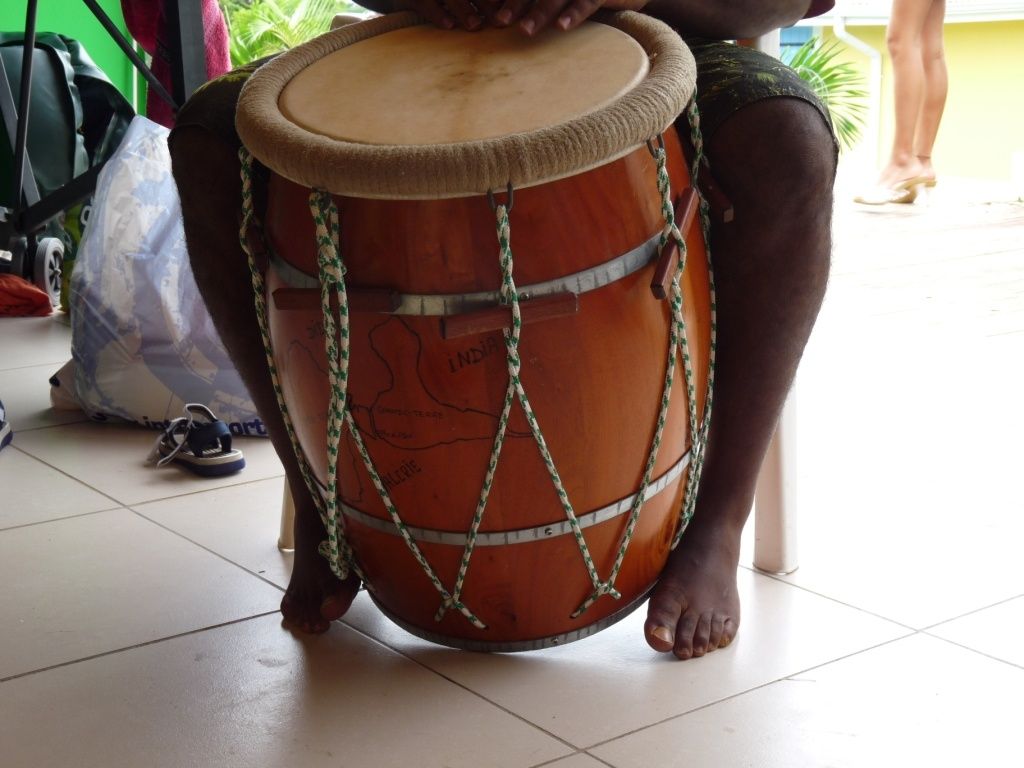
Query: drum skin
[{"x": 427, "y": 407}]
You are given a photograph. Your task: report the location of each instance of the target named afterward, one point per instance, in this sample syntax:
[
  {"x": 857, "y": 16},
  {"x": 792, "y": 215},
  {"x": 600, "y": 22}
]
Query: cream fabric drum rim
[{"x": 465, "y": 168}]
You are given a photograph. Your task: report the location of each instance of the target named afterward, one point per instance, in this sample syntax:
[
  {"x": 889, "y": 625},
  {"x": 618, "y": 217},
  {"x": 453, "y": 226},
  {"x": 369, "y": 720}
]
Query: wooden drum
[{"x": 466, "y": 532}]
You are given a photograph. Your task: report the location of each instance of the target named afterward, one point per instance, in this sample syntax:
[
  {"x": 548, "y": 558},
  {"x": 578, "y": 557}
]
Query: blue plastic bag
[{"x": 142, "y": 343}]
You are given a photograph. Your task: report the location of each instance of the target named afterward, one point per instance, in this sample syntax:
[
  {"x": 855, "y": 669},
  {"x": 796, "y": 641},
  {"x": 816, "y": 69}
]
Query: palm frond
[
  {"x": 259, "y": 28},
  {"x": 839, "y": 85}
]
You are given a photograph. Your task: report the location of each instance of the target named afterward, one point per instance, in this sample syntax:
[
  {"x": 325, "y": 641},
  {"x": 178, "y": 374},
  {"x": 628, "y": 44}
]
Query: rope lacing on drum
[
  {"x": 332, "y": 283},
  {"x": 515, "y": 390},
  {"x": 515, "y": 387},
  {"x": 336, "y": 548},
  {"x": 678, "y": 343},
  {"x": 677, "y": 338},
  {"x": 508, "y": 296},
  {"x": 698, "y": 437},
  {"x": 332, "y": 286},
  {"x": 332, "y": 272}
]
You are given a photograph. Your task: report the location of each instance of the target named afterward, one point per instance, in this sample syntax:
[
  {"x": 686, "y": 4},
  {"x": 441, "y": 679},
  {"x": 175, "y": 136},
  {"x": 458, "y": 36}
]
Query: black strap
[{"x": 203, "y": 438}]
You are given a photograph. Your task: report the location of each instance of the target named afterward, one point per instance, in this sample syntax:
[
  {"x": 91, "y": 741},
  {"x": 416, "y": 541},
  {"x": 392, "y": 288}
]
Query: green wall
[{"x": 73, "y": 19}]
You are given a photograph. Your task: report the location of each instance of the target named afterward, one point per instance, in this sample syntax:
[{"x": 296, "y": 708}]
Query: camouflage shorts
[{"x": 730, "y": 77}]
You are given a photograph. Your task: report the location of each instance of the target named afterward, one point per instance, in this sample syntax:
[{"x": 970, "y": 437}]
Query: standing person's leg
[
  {"x": 936, "y": 85},
  {"x": 904, "y": 41},
  {"x": 775, "y": 158},
  {"x": 204, "y": 152}
]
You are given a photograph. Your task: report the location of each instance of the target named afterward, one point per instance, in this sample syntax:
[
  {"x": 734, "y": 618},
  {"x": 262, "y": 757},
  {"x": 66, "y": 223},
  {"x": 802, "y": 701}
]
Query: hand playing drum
[{"x": 532, "y": 15}]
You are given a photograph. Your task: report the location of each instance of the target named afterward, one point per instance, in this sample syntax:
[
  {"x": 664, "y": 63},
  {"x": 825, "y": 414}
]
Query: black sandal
[{"x": 200, "y": 442}]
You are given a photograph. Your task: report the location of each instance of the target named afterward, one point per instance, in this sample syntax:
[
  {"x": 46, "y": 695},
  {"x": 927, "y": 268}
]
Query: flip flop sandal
[
  {"x": 198, "y": 441},
  {"x": 6, "y": 435}
]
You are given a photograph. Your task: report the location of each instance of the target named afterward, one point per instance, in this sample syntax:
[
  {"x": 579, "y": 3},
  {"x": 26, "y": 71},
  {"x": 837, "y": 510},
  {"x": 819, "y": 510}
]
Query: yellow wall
[{"x": 983, "y": 125}]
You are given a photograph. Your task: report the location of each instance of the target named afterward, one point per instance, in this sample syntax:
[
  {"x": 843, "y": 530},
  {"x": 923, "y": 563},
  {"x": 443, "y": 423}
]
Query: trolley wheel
[{"x": 48, "y": 266}]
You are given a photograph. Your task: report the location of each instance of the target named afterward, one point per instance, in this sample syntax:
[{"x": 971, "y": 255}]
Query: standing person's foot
[
  {"x": 903, "y": 173},
  {"x": 927, "y": 170},
  {"x": 904, "y": 192},
  {"x": 6, "y": 434},
  {"x": 899, "y": 182}
]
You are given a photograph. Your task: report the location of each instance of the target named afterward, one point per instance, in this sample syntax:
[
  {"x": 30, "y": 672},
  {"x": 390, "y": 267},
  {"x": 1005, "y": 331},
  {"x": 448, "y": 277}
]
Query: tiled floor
[{"x": 138, "y": 622}]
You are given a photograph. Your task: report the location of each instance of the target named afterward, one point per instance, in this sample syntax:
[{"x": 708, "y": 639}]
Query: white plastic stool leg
[
  {"x": 286, "y": 539},
  {"x": 775, "y": 540},
  {"x": 775, "y": 499}
]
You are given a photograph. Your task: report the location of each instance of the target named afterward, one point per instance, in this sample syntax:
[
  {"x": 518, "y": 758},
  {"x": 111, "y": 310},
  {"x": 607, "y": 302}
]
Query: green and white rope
[
  {"x": 448, "y": 600},
  {"x": 512, "y": 334},
  {"x": 335, "y": 549},
  {"x": 485, "y": 490},
  {"x": 332, "y": 284},
  {"x": 678, "y": 342},
  {"x": 699, "y": 439},
  {"x": 677, "y": 336}
]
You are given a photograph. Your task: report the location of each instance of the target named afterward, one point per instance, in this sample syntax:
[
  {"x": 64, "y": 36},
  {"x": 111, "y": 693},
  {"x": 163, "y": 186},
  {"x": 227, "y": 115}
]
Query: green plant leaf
[
  {"x": 839, "y": 85},
  {"x": 259, "y": 28}
]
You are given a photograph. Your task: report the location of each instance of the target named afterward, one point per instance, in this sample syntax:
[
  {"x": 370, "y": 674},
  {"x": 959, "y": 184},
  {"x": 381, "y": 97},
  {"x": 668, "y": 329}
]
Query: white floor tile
[
  {"x": 997, "y": 631},
  {"x": 253, "y": 695},
  {"x": 918, "y": 565},
  {"x": 112, "y": 459},
  {"x": 612, "y": 683},
  {"x": 240, "y": 523},
  {"x": 579, "y": 760},
  {"x": 908, "y": 484},
  {"x": 35, "y": 341},
  {"x": 92, "y": 584},
  {"x": 33, "y": 492},
  {"x": 915, "y": 702},
  {"x": 909, "y": 503},
  {"x": 25, "y": 393}
]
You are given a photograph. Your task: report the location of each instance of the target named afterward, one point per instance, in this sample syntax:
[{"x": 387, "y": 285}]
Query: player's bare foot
[
  {"x": 695, "y": 608},
  {"x": 314, "y": 597}
]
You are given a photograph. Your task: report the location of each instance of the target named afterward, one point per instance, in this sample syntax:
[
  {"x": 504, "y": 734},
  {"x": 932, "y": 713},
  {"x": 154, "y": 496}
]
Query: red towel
[
  {"x": 147, "y": 24},
  {"x": 19, "y": 298}
]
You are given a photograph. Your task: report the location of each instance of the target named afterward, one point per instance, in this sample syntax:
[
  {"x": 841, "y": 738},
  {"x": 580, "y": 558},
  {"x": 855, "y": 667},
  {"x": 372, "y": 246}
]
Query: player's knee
[
  {"x": 780, "y": 150},
  {"x": 805, "y": 150}
]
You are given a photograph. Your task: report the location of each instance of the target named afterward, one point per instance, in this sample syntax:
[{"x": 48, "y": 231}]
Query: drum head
[
  {"x": 393, "y": 108},
  {"x": 423, "y": 85}
]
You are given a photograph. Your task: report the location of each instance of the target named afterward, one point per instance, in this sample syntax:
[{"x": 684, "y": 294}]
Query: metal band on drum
[
  {"x": 522, "y": 535},
  {"x": 515, "y": 646},
  {"x": 445, "y": 304}
]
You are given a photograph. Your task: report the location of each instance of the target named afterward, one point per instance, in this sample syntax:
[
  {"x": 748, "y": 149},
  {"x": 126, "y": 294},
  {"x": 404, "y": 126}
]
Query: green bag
[
  {"x": 76, "y": 117},
  {"x": 76, "y": 120}
]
